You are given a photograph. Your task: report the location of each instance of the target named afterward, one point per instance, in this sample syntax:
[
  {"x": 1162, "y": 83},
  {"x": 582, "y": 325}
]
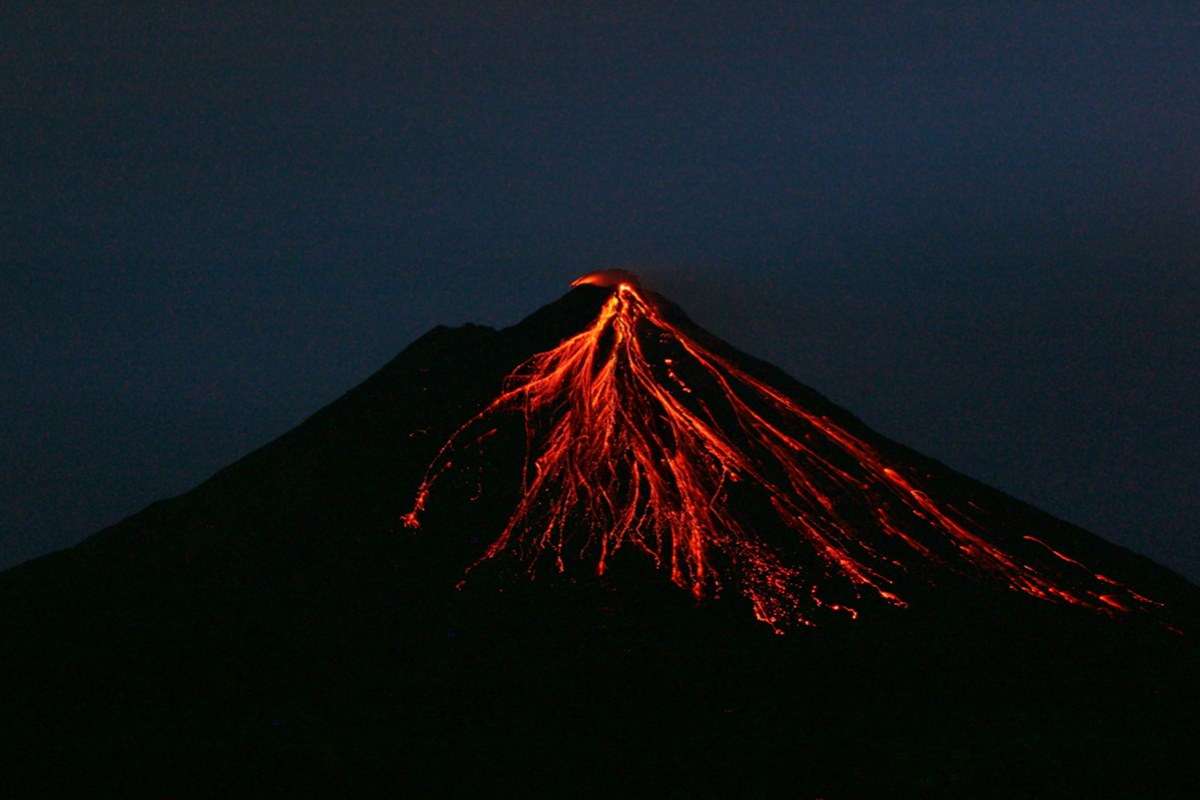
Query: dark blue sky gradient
[{"x": 978, "y": 230}]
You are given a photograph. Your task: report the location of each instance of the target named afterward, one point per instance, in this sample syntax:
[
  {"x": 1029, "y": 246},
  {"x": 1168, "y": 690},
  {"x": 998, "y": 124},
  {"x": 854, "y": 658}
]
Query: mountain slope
[{"x": 279, "y": 621}]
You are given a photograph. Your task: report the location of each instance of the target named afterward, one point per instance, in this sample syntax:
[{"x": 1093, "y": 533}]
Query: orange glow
[
  {"x": 636, "y": 437},
  {"x": 606, "y": 278}
]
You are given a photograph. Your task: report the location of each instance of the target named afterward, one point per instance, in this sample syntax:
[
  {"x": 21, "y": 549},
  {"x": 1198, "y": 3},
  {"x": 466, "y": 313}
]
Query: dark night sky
[{"x": 978, "y": 230}]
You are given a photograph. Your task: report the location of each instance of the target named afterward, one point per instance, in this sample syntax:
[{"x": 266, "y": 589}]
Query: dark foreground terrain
[{"x": 277, "y": 630}]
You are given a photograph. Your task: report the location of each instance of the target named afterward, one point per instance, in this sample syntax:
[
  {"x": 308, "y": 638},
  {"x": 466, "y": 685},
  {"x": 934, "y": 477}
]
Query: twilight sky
[{"x": 977, "y": 230}]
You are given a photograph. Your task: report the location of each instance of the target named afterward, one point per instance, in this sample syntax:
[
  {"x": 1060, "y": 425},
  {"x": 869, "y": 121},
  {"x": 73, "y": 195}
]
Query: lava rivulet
[{"x": 637, "y": 437}]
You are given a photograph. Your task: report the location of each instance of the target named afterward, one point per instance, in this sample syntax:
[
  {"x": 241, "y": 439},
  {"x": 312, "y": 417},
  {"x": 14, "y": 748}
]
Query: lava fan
[{"x": 642, "y": 437}]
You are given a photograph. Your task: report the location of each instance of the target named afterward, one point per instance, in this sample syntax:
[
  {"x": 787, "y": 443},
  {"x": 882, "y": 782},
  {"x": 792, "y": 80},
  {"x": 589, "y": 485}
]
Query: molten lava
[{"x": 638, "y": 437}]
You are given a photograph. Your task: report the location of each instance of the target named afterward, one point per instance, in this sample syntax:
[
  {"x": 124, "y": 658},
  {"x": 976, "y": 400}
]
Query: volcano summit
[{"x": 551, "y": 559}]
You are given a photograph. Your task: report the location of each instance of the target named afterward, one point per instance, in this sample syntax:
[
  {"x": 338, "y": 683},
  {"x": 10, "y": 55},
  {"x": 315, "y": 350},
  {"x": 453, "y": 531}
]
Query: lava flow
[{"x": 639, "y": 438}]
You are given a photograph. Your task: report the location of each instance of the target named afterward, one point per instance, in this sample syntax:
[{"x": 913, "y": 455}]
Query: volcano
[
  {"x": 622, "y": 451},
  {"x": 599, "y": 549}
]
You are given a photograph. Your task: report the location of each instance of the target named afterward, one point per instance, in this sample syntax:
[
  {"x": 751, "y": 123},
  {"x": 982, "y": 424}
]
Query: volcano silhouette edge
[{"x": 279, "y": 622}]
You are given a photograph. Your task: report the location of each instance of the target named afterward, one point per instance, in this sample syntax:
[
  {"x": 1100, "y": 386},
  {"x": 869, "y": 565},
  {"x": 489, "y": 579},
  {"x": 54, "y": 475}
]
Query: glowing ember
[
  {"x": 607, "y": 277},
  {"x": 637, "y": 436}
]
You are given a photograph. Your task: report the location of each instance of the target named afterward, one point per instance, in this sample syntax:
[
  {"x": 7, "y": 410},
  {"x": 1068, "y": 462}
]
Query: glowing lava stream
[{"x": 622, "y": 452}]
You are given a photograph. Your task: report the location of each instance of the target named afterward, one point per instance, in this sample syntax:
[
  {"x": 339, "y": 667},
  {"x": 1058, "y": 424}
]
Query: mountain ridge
[
  {"x": 278, "y": 620},
  {"x": 577, "y": 304},
  {"x": 559, "y": 317}
]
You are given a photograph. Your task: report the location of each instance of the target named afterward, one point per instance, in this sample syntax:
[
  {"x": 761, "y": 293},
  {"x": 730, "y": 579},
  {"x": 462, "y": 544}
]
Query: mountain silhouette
[{"x": 598, "y": 550}]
